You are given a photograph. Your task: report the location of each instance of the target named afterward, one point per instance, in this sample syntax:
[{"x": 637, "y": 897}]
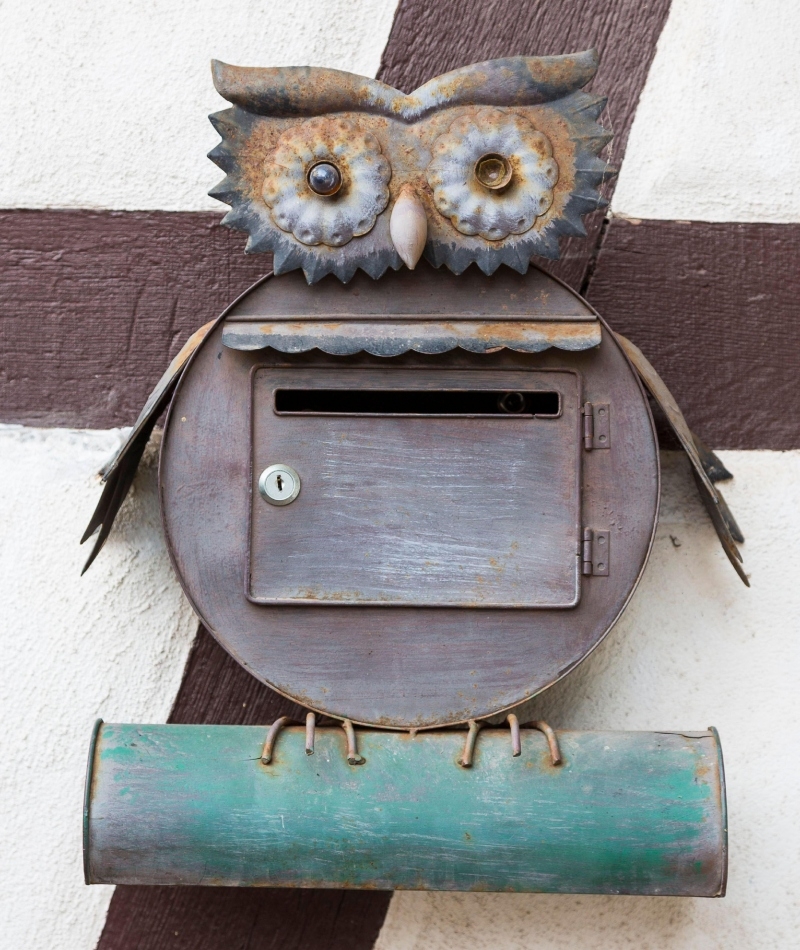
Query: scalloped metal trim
[{"x": 398, "y": 337}]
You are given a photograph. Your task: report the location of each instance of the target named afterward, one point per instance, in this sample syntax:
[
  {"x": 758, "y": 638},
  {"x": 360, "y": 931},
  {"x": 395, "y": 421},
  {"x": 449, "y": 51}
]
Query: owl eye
[
  {"x": 316, "y": 160},
  {"x": 493, "y": 171},
  {"x": 324, "y": 179},
  {"x": 469, "y": 175}
]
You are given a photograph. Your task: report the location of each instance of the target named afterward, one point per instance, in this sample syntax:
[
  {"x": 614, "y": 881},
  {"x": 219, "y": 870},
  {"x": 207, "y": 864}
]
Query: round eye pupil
[
  {"x": 324, "y": 178},
  {"x": 493, "y": 171}
]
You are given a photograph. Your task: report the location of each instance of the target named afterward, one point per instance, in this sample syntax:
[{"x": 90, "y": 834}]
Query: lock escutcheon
[{"x": 279, "y": 484}]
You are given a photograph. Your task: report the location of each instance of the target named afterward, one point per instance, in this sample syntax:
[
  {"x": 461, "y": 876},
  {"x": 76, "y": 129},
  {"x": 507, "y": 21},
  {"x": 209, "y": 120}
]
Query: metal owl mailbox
[{"x": 409, "y": 481}]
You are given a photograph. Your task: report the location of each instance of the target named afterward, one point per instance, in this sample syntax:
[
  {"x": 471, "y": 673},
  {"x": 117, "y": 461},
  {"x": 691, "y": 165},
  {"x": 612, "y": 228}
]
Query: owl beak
[{"x": 408, "y": 226}]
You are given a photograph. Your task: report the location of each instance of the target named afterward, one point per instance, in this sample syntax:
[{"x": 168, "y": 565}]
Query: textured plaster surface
[
  {"x": 112, "y": 643},
  {"x": 695, "y": 648},
  {"x": 108, "y": 103},
  {"x": 716, "y": 136}
]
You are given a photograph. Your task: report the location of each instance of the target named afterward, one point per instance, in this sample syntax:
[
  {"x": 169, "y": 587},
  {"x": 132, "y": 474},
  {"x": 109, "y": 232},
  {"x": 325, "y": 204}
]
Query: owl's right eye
[{"x": 324, "y": 179}]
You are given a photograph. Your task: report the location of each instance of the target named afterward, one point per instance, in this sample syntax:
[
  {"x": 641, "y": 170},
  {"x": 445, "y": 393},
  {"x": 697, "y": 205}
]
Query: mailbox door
[{"x": 419, "y": 487}]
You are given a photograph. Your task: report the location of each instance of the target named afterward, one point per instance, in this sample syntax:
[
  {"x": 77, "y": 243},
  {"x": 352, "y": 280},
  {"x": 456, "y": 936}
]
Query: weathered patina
[
  {"x": 526, "y": 112},
  {"x": 623, "y": 812}
]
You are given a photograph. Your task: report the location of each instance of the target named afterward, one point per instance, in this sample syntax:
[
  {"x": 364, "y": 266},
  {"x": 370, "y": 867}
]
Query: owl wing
[
  {"x": 120, "y": 470},
  {"x": 707, "y": 468}
]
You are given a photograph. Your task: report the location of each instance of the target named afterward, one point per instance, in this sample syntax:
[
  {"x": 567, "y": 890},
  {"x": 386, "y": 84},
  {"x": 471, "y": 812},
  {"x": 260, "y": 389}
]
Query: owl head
[{"x": 489, "y": 164}]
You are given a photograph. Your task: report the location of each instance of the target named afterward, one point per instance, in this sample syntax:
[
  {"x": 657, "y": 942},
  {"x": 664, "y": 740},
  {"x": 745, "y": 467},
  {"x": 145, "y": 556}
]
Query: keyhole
[{"x": 279, "y": 484}]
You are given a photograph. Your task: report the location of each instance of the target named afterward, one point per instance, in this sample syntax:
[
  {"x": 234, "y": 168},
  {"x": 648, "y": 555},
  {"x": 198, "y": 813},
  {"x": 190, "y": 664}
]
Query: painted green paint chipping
[{"x": 629, "y": 813}]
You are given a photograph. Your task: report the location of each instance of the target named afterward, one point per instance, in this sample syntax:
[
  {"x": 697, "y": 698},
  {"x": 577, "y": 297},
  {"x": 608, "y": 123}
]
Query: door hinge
[
  {"x": 596, "y": 552},
  {"x": 596, "y": 425}
]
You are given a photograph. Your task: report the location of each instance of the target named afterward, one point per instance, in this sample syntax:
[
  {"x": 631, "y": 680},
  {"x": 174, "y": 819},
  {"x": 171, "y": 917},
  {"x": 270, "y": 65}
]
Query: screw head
[
  {"x": 493, "y": 171},
  {"x": 279, "y": 484}
]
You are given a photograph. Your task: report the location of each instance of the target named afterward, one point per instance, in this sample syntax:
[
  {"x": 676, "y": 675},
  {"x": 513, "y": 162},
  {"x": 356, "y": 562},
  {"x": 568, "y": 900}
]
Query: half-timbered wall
[{"x": 111, "y": 254}]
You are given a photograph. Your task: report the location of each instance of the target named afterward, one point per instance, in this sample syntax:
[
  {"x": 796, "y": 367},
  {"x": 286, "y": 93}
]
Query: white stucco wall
[
  {"x": 695, "y": 648},
  {"x": 716, "y": 135},
  {"x": 108, "y": 103},
  {"x": 112, "y": 643}
]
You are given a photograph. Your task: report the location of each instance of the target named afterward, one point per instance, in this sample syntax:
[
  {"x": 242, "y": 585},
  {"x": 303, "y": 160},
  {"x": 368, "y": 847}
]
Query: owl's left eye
[
  {"x": 493, "y": 171},
  {"x": 477, "y": 160},
  {"x": 324, "y": 179}
]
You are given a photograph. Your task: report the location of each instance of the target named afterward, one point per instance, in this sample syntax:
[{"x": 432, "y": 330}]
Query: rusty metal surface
[
  {"x": 402, "y": 667},
  {"x": 622, "y": 812},
  {"x": 703, "y": 466},
  {"x": 527, "y": 111},
  {"x": 398, "y": 337},
  {"x": 435, "y": 295}
]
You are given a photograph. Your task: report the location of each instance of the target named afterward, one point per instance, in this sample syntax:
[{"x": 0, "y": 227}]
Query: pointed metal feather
[
  {"x": 571, "y": 225},
  {"x": 714, "y": 466},
  {"x": 721, "y": 517},
  {"x": 594, "y": 140},
  {"x": 226, "y": 192},
  {"x": 119, "y": 472},
  {"x": 588, "y": 105},
  {"x": 223, "y": 158},
  {"x": 224, "y": 121},
  {"x": 238, "y": 219}
]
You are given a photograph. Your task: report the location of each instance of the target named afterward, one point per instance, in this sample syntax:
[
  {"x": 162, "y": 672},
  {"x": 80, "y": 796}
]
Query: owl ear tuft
[
  {"x": 513, "y": 81},
  {"x": 293, "y": 92},
  {"x": 305, "y": 91}
]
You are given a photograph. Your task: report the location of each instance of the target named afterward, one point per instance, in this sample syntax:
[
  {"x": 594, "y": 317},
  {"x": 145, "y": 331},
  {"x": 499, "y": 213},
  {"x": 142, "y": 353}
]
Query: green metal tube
[{"x": 625, "y": 812}]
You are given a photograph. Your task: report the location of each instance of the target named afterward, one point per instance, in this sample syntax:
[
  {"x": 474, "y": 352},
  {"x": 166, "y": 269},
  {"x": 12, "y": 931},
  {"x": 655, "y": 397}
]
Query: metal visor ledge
[{"x": 392, "y": 338}]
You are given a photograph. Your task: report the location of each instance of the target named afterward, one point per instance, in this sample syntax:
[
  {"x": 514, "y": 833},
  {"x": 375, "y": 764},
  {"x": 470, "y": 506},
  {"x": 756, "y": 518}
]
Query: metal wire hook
[
  {"x": 353, "y": 757},
  {"x": 541, "y": 726},
  {"x": 272, "y": 735},
  {"x": 311, "y": 723},
  {"x": 552, "y": 740},
  {"x": 516, "y": 739},
  {"x": 469, "y": 746}
]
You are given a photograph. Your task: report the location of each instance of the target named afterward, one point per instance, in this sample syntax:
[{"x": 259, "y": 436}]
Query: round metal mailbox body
[{"x": 437, "y": 565}]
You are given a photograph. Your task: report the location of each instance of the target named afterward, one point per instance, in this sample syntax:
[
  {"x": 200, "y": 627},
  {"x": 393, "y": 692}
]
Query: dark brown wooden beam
[
  {"x": 95, "y": 304},
  {"x": 715, "y": 308}
]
